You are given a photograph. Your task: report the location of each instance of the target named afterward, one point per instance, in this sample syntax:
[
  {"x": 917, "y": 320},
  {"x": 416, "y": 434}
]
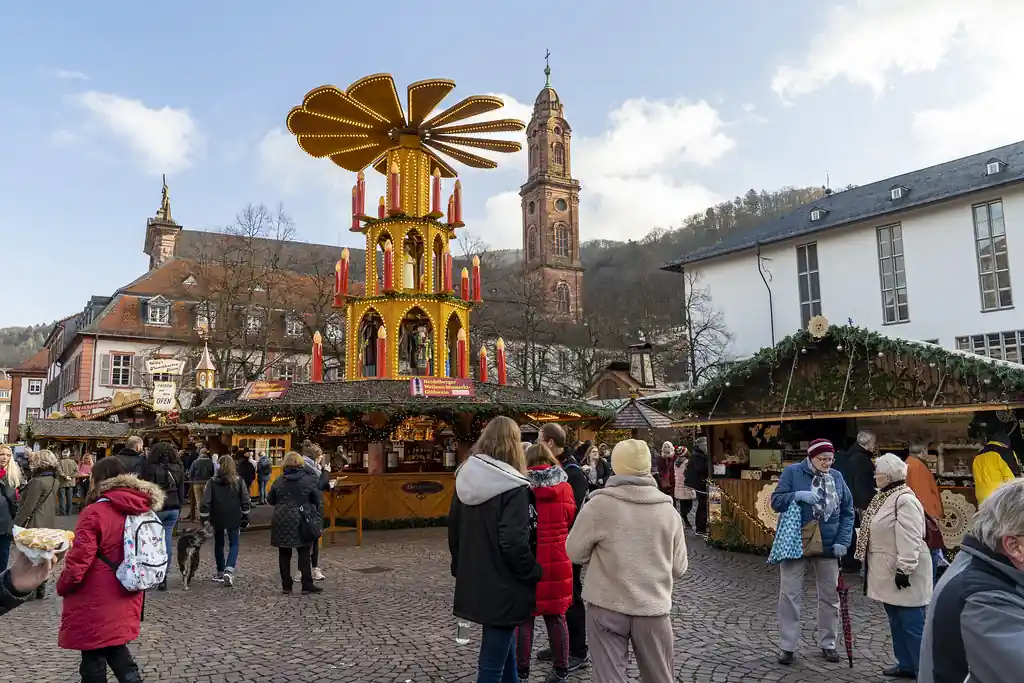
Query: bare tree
[{"x": 703, "y": 338}]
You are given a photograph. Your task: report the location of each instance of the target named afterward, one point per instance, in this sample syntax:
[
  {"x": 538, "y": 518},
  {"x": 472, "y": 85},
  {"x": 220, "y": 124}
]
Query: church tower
[{"x": 550, "y": 203}]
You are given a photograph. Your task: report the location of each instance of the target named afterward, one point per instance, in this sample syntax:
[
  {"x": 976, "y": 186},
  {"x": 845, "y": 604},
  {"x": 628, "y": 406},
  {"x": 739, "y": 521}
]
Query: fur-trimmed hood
[{"x": 129, "y": 494}]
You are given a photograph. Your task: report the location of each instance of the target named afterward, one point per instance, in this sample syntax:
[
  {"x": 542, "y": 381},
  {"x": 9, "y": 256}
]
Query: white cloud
[
  {"x": 872, "y": 42},
  {"x": 164, "y": 140},
  {"x": 68, "y": 75}
]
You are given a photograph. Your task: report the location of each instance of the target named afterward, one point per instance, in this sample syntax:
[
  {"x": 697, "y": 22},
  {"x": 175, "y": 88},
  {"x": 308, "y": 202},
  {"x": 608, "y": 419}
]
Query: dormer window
[
  {"x": 158, "y": 311},
  {"x": 818, "y": 214},
  {"x": 293, "y": 325},
  {"x": 898, "y": 192},
  {"x": 189, "y": 281},
  {"x": 206, "y": 316},
  {"x": 993, "y": 166}
]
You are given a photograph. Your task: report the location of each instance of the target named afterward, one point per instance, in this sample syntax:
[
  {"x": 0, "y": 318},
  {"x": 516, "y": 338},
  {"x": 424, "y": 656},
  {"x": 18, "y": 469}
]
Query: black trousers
[
  {"x": 700, "y": 522},
  {"x": 314, "y": 553},
  {"x": 684, "y": 509},
  {"x": 284, "y": 561},
  {"x": 576, "y": 616},
  {"x": 93, "y": 668}
]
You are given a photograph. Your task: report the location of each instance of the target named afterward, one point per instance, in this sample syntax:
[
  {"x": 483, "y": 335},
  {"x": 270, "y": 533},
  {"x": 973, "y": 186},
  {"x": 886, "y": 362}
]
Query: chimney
[{"x": 161, "y": 232}]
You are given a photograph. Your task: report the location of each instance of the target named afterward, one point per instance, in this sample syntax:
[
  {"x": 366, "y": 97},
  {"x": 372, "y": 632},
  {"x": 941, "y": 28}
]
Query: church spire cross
[{"x": 547, "y": 68}]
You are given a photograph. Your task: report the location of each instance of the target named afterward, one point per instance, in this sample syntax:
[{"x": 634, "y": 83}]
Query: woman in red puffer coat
[
  {"x": 555, "y": 507},
  {"x": 100, "y": 617}
]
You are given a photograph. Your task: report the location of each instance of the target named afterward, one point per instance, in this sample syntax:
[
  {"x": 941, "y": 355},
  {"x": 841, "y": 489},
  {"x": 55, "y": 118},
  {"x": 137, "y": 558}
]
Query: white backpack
[{"x": 145, "y": 552}]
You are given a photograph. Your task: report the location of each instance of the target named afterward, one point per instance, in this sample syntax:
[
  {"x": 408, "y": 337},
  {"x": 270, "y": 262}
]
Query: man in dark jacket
[
  {"x": 975, "y": 624},
  {"x": 20, "y": 582},
  {"x": 131, "y": 455},
  {"x": 858, "y": 470},
  {"x": 553, "y": 436},
  {"x": 695, "y": 476}
]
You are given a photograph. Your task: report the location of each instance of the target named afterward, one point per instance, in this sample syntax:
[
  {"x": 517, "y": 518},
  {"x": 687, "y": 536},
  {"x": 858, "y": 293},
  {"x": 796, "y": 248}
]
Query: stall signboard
[
  {"x": 255, "y": 391},
  {"x": 165, "y": 366},
  {"x": 81, "y": 409},
  {"x": 421, "y": 489},
  {"x": 441, "y": 387},
  {"x": 164, "y": 396}
]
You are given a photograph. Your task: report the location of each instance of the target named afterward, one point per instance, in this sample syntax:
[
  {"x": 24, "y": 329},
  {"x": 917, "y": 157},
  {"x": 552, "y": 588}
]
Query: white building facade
[{"x": 904, "y": 257}]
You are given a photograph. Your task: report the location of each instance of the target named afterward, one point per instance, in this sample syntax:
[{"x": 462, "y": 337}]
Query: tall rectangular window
[
  {"x": 993, "y": 259},
  {"x": 1001, "y": 345},
  {"x": 893, "y": 274},
  {"x": 810, "y": 287},
  {"x": 121, "y": 370}
]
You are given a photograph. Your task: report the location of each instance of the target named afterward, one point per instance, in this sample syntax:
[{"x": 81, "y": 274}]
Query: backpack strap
[{"x": 99, "y": 541}]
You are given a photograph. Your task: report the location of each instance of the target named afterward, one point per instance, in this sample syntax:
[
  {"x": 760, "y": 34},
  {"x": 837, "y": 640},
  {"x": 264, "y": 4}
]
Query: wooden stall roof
[
  {"x": 636, "y": 415},
  {"x": 64, "y": 428},
  {"x": 847, "y": 371},
  {"x": 393, "y": 396},
  {"x": 218, "y": 428}
]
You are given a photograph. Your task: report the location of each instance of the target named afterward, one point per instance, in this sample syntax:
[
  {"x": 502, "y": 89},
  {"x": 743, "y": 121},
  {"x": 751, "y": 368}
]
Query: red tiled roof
[{"x": 36, "y": 365}]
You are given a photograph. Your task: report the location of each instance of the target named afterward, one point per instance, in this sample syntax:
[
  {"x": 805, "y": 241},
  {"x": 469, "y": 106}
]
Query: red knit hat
[{"x": 820, "y": 447}]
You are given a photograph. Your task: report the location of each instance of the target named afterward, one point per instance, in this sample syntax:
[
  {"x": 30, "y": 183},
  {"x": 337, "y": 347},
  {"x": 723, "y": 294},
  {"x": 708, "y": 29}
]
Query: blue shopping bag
[{"x": 789, "y": 543}]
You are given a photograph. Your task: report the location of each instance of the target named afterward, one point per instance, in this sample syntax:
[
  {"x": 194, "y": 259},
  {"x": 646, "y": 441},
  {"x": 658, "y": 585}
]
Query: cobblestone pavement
[{"x": 385, "y": 616}]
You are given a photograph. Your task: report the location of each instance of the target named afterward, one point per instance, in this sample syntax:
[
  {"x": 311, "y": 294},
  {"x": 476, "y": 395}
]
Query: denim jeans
[
  {"x": 263, "y": 488},
  {"x": 218, "y": 549},
  {"x": 5, "y": 551},
  {"x": 169, "y": 518},
  {"x": 906, "y": 625},
  {"x": 497, "y": 663},
  {"x": 938, "y": 561},
  {"x": 65, "y": 497}
]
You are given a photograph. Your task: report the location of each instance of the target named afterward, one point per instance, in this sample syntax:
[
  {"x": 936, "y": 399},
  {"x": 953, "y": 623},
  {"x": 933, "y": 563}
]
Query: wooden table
[{"x": 331, "y": 499}]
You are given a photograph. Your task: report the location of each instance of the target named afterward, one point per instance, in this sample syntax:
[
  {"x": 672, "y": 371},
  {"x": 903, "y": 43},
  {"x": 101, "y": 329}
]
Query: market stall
[
  {"x": 81, "y": 436},
  {"x": 832, "y": 382}
]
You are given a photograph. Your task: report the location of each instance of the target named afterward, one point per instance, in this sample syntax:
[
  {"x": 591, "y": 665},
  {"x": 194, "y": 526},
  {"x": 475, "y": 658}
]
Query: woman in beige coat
[{"x": 899, "y": 564}]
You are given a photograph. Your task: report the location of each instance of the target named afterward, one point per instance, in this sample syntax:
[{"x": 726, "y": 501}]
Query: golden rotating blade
[
  {"x": 329, "y": 101},
  {"x": 504, "y": 146},
  {"x": 495, "y": 126},
  {"x": 471, "y": 106},
  {"x": 357, "y": 159},
  {"x": 303, "y": 122},
  {"x": 424, "y": 96},
  {"x": 459, "y": 155},
  {"x": 378, "y": 94},
  {"x": 326, "y": 145}
]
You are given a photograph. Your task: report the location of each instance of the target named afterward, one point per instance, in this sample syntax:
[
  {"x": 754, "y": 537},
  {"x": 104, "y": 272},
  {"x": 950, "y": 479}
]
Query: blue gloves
[
  {"x": 839, "y": 551},
  {"x": 809, "y": 497}
]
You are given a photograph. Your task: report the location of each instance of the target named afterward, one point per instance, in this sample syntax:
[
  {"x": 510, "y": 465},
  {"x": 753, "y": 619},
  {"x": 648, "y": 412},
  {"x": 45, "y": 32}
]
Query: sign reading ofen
[
  {"x": 441, "y": 387},
  {"x": 164, "y": 394}
]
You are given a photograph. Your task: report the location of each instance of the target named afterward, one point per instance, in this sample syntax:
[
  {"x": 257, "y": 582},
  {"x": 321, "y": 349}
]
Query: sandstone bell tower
[{"x": 550, "y": 204}]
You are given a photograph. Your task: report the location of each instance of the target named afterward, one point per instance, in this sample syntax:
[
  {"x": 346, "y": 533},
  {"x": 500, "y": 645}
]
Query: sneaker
[
  {"x": 163, "y": 585},
  {"x": 312, "y": 589},
  {"x": 785, "y": 658},
  {"x": 318, "y": 575},
  {"x": 577, "y": 663},
  {"x": 831, "y": 655},
  {"x": 524, "y": 675},
  {"x": 219, "y": 577},
  {"x": 545, "y": 655},
  {"x": 555, "y": 677},
  {"x": 229, "y": 579}
]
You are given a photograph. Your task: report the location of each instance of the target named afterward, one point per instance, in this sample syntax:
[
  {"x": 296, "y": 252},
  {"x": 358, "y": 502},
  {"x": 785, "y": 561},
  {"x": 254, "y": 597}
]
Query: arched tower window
[
  {"x": 562, "y": 242},
  {"x": 559, "y": 153},
  {"x": 531, "y": 243},
  {"x": 533, "y": 157},
  {"x": 562, "y": 297}
]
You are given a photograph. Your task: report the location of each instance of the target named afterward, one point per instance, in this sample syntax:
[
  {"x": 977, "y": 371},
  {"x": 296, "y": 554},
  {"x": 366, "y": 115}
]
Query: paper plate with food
[{"x": 39, "y": 545}]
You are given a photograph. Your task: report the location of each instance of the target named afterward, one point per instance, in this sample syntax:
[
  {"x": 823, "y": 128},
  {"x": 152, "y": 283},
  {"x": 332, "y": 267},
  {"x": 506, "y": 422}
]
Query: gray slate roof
[
  {"x": 636, "y": 415},
  {"x": 938, "y": 183},
  {"x": 85, "y": 429}
]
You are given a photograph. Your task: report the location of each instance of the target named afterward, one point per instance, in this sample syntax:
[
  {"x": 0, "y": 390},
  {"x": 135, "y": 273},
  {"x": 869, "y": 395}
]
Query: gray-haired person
[{"x": 975, "y": 625}]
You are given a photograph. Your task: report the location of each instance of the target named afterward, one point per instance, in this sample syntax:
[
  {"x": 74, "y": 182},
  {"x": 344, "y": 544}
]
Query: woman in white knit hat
[{"x": 629, "y": 601}]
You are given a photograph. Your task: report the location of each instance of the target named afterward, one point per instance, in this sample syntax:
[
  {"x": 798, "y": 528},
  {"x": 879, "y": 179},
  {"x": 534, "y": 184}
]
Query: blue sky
[{"x": 673, "y": 105}]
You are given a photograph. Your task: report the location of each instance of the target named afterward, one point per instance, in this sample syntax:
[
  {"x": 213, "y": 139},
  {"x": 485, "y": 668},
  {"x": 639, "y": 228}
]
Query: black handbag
[{"x": 311, "y": 524}]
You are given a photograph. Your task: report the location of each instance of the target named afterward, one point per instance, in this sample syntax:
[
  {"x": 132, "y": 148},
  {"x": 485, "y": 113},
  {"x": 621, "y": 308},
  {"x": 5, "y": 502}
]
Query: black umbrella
[{"x": 844, "y": 613}]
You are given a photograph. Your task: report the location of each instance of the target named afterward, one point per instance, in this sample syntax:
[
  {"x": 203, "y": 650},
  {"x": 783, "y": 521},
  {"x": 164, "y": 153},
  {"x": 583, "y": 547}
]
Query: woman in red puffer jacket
[
  {"x": 555, "y": 507},
  {"x": 100, "y": 617}
]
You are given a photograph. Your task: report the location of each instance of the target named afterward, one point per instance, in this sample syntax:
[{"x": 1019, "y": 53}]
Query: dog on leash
[{"x": 189, "y": 545}]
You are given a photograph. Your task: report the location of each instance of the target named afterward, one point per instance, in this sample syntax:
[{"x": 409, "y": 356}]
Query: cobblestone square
[{"x": 385, "y": 616}]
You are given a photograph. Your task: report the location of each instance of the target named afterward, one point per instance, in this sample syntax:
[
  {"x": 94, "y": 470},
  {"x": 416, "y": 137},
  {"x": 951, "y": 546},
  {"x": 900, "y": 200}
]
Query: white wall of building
[
  {"x": 941, "y": 269},
  {"x": 29, "y": 400}
]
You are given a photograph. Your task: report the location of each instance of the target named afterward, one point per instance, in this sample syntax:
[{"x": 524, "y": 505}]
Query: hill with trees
[{"x": 18, "y": 344}]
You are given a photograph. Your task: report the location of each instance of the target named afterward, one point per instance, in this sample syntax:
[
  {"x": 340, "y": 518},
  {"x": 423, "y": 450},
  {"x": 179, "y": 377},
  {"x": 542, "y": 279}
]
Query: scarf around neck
[
  {"x": 824, "y": 484},
  {"x": 864, "y": 533}
]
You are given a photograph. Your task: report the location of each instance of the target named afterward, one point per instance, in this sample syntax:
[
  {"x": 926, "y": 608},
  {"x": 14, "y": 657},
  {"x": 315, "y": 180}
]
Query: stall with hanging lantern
[
  {"x": 404, "y": 416},
  {"x": 832, "y": 382}
]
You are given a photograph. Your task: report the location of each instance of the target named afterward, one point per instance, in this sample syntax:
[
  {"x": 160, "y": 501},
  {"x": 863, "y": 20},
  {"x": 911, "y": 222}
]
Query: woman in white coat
[{"x": 899, "y": 564}]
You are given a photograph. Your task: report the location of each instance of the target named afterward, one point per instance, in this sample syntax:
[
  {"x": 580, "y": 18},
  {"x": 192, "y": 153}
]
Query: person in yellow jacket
[{"x": 993, "y": 466}]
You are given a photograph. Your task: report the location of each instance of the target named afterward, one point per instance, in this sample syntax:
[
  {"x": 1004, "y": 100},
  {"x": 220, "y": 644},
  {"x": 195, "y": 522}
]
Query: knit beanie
[
  {"x": 820, "y": 447},
  {"x": 632, "y": 458}
]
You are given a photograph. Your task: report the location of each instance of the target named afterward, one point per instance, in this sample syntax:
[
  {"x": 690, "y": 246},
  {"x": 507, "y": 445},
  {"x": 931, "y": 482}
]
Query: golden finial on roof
[{"x": 164, "y": 212}]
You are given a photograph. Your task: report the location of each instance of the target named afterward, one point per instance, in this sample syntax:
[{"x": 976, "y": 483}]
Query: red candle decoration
[
  {"x": 395, "y": 189},
  {"x": 483, "y": 363},
  {"x": 355, "y": 210},
  {"x": 476, "y": 279},
  {"x": 316, "y": 371},
  {"x": 461, "y": 350},
  {"x": 380, "y": 209},
  {"x": 435, "y": 194},
  {"x": 458, "y": 205},
  {"x": 382, "y": 352},
  {"x": 389, "y": 267},
  {"x": 451, "y": 210},
  {"x": 344, "y": 271},
  {"x": 361, "y": 194},
  {"x": 464, "y": 284},
  {"x": 502, "y": 367},
  {"x": 449, "y": 286}
]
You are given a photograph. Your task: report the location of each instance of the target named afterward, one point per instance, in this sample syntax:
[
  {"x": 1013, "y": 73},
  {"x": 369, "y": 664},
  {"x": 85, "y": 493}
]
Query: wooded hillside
[{"x": 18, "y": 344}]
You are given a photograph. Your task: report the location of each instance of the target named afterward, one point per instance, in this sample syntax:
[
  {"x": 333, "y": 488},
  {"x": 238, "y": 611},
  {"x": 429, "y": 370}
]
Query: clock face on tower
[{"x": 561, "y": 205}]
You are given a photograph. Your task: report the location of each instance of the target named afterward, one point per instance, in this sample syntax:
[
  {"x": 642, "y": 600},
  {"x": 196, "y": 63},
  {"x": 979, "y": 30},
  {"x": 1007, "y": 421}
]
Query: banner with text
[
  {"x": 164, "y": 396},
  {"x": 441, "y": 387}
]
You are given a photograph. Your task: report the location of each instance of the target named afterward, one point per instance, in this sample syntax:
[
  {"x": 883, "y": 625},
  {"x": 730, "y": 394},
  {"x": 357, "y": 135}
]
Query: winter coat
[
  {"x": 98, "y": 612},
  {"x": 858, "y": 471},
  {"x": 682, "y": 491},
  {"x": 556, "y": 509},
  {"x": 132, "y": 460},
  {"x": 67, "y": 471},
  {"x": 264, "y": 469},
  {"x": 225, "y": 502},
  {"x": 201, "y": 470},
  {"x": 992, "y": 467},
  {"x": 837, "y": 529},
  {"x": 495, "y": 572},
  {"x": 247, "y": 471},
  {"x": 38, "y": 505},
  {"x": 170, "y": 477},
  {"x": 577, "y": 479},
  {"x": 293, "y": 489},
  {"x": 666, "y": 473},
  {"x": 631, "y": 539},
  {"x": 896, "y": 543},
  {"x": 922, "y": 482},
  {"x": 974, "y": 630},
  {"x": 697, "y": 471},
  {"x": 9, "y": 598},
  {"x": 8, "y": 506}
]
